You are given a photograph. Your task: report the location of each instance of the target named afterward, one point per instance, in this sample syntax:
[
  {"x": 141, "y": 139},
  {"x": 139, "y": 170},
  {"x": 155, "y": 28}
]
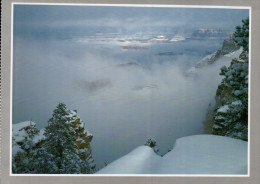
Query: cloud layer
[
  {"x": 122, "y": 103},
  {"x": 124, "y": 97}
]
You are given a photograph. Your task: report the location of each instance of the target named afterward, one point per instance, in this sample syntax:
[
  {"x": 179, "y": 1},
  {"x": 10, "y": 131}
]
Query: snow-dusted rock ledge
[{"x": 199, "y": 154}]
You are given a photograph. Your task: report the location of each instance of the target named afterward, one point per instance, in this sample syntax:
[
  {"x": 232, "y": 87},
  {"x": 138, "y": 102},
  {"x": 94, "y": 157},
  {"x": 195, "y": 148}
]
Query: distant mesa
[
  {"x": 135, "y": 47},
  {"x": 161, "y": 38},
  {"x": 177, "y": 39},
  {"x": 171, "y": 53},
  {"x": 164, "y": 39},
  {"x": 208, "y": 33}
]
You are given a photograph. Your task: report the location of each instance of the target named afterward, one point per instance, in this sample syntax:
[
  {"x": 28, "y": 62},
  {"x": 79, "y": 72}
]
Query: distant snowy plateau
[{"x": 199, "y": 154}]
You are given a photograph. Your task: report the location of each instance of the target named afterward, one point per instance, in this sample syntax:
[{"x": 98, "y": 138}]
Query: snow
[
  {"x": 38, "y": 137},
  {"x": 215, "y": 126},
  {"x": 15, "y": 149},
  {"x": 223, "y": 109},
  {"x": 234, "y": 54},
  {"x": 80, "y": 140},
  {"x": 139, "y": 161},
  {"x": 72, "y": 114},
  {"x": 237, "y": 102},
  {"x": 88, "y": 133},
  {"x": 209, "y": 61},
  {"x": 206, "y": 154},
  {"x": 219, "y": 117},
  {"x": 237, "y": 92},
  {"x": 19, "y": 134},
  {"x": 84, "y": 150},
  {"x": 199, "y": 154},
  {"x": 208, "y": 57},
  {"x": 19, "y": 126}
]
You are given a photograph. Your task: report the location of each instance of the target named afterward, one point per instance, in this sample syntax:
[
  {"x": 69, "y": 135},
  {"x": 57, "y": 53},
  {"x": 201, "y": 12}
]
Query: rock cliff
[{"x": 228, "y": 46}]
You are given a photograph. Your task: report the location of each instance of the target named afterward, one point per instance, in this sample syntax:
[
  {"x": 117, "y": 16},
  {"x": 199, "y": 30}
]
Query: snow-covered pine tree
[
  {"x": 60, "y": 143},
  {"x": 68, "y": 142},
  {"x": 150, "y": 142},
  {"x": 62, "y": 147},
  {"x": 241, "y": 36},
  {"x": 23, "y": 141},
  {"x": 231, "y": 115},
  {"x": 20, "y": 163},
  {"x": 42, "y": 162}
]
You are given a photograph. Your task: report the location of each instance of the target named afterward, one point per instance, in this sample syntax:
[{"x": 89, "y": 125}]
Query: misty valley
[{"x": 119, "y": 101}]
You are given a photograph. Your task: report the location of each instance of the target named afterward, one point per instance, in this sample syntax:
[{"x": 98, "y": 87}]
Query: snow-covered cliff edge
[{"x": 199, "y": 154}]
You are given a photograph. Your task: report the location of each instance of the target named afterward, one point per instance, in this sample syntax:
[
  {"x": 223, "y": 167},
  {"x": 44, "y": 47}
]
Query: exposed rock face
[
  {"x": 228, "y": 46},
  {"x": 82, "y": 139},
  {"x": 229, "y": 115},
  {"x": 231, "y": 112},
  {"x": 224, "y": 93},
  {"x": 215, "y": 113}
]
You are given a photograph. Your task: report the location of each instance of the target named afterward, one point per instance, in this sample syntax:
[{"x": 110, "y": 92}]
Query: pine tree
[
  {"x": 64, "y": 148},
  {"x": 59, "y": 140},
  {"x": 231, "y": 117},
  {"x": 62, "y": 133},
  {"x": 20, "y": 163},
  {"x": 42, "y": 162},
  {"x": 241, "y": 36},
  {"x": 152, "y": 144}
]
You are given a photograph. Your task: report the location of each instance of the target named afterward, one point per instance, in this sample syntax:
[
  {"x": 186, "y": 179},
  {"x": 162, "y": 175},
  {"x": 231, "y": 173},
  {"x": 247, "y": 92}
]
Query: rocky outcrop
[
  {"x": 213, "y": 122},
  {"x": 82, "y": 139},
  {"x": 228, "y": 46},
  {"x": 229, "y": 115}
]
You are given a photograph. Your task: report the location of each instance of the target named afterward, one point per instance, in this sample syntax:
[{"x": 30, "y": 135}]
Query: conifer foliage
[
  {"x": 231, "y": 114},
  {"x": 241, "y": 36},
  {"x": 152, "y": 144},
  {"x": 60, "y": 151},
  {"x": 60, "y": 141}
]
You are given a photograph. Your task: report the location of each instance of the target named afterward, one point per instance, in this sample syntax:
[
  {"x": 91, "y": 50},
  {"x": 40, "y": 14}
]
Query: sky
[
  {"x": 121, "y": 106},
  {"x": 50, "y": 21}
]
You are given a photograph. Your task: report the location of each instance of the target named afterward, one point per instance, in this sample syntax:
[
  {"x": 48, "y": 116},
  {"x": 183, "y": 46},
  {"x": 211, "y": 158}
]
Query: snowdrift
[{"x": 199, "y": 154}]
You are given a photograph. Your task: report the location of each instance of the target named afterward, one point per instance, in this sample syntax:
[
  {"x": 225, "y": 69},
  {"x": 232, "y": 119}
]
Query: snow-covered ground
[
  {"x": 199, "y": 154},
  {"x": 20, "y": 135},
  {"x": 19, "y": 131}
]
